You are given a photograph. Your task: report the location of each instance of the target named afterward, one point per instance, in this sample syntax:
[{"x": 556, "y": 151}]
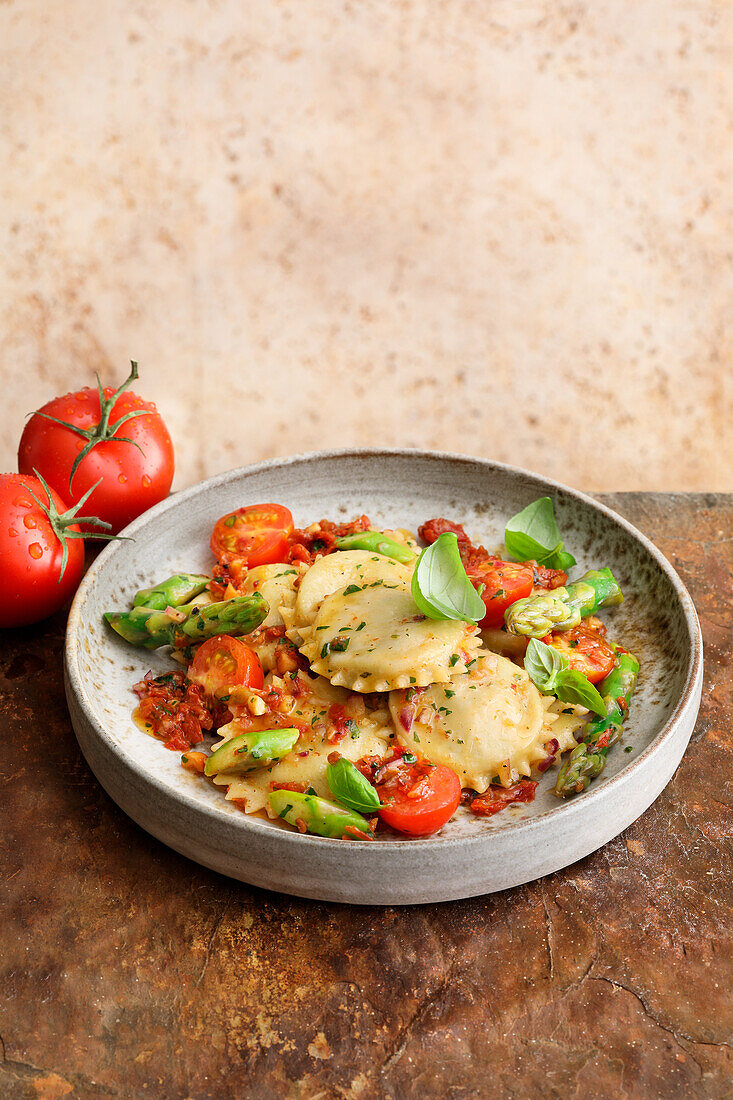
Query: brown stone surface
[{"x": 126, "y": 971}]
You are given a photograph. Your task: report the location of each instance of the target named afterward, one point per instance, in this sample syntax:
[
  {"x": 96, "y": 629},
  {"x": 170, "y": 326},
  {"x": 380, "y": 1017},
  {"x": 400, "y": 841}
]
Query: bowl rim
[{"x": 565, "y": 811}]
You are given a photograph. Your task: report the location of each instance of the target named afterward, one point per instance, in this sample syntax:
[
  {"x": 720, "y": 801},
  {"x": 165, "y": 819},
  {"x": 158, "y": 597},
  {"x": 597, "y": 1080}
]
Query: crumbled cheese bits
[{"x": 490, "y": 721}]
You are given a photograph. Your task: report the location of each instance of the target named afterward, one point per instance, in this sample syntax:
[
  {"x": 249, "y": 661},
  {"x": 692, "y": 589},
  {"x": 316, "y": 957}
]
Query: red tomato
[
  {"x": 257, "y": 534},
  {"x": 31, "y": 552},
  {"x": 224, "y": 663},
  {"x": 133, "y": 479},
  {"x": 419, "y": 798},
  {"x": 586, "y": 651},
  {"x": 504, "y": 582}
]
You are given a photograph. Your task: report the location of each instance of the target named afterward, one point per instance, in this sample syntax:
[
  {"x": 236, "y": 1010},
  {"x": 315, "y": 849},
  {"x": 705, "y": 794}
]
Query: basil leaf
[
  {"x": 549, "y": 671},
  {"x": 559, "y": 559},
  {"x": 533, "y": 535},
  {"x": 440, "y": 587},
  {"x": 544, "y": 664},
  {"x": 349, "y": 787},
  {"x": 573, "y": 687}
]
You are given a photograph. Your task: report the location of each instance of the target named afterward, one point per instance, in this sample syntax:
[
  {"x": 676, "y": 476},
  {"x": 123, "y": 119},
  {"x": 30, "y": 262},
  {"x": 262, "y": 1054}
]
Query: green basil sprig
[
  {"x": 550, "y": 672},
  {"x": 350, "y": 787},
  {"x": 440, "y": 586},
  {"x": 533, "y": 535}
]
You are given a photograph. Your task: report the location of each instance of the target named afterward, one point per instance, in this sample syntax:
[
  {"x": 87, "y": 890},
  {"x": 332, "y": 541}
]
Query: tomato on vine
[
  {"x": 41, "y": 549},
  {"x": 108, "y": 445}
]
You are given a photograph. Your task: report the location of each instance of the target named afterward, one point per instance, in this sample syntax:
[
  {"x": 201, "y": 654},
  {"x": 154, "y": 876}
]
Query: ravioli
[
  {"x": 374, "y": 638},
  {"x": 274, "y": 583},
  {"x": 565, "y": 721},
  {"x": 491, "y": 721},
  {"x": 369, "y": 735},
  {"x": 330, "y": 574}
]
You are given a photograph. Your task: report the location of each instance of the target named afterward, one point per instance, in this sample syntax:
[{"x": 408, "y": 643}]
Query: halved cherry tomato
[
  {"x": 419, "y": 798},
  {"x": 504, "y": 582},
  {"x": 257, "y": 534},
  {"x": 586, "y": 651},
  {"x": 224, "y": 663}
]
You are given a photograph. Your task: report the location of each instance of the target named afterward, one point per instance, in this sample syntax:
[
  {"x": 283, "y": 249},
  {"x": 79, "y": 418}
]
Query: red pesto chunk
[
  {"x": 498, "y": 798},
  {"x": 320, "y": 539},
  {"x": 432, "y": 529},
  {"x": 176, "y": 711},
  {"x": 227, "y": 571}
]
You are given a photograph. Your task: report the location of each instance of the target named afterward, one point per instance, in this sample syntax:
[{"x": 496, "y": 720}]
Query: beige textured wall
[{"x": 504, "y": 228}]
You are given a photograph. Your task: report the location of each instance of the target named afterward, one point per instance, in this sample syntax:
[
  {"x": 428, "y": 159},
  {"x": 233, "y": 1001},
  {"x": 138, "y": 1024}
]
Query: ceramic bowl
[{"x": 470, "y": 855}]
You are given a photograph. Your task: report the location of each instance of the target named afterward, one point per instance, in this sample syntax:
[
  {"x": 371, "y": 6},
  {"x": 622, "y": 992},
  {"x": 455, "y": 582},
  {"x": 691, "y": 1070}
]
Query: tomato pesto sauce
[
  {"x": 176, "y": 711},
  {"x": 446, "y": 676}
]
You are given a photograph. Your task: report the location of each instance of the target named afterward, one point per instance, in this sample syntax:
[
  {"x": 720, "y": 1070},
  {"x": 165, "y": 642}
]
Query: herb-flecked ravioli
[
  {"x": 490, "y": 721},
  {"x": 368, "y": 734},
  {"x": 372, "y": 637},
  {"x": 330, "y": 574},
  {"x": 274, "y": 583}
]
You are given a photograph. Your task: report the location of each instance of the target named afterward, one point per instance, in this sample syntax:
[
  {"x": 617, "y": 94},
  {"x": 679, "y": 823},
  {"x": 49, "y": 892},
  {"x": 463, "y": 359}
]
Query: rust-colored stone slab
[{"x": 126, "y": 971}]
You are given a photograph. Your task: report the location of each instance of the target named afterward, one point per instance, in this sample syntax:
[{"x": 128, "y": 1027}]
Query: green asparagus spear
[
  {"x": 175, "y": 591},
  {"x": 318, "y": 815},
  {"x": 238, "y": 616},
  {"x": 563, "y": 608},
  {"x": 377, "y": 543},
  {"x": 202, "y": 600},
  {"x": 251, "y": 750},
  {"x": 151, "y": 629},
  {"x": 132, "y": 626},
  {"x": 160, "y": 623},
  {"x": 588, "y": 759}
]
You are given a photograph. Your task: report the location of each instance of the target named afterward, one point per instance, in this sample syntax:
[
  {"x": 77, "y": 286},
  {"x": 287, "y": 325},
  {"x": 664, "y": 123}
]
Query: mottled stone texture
[
  {"x": 489, "y": 226},
  {"x": 126, "y": 971}
]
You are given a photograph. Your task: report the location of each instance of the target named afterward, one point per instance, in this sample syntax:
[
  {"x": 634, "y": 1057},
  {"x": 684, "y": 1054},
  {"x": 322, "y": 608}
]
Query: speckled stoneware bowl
[{"x": 471, "y": 855}]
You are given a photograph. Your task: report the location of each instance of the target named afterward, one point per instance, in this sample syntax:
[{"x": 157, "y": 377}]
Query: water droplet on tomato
[
  {"x": 30, "y": 522},
  {"x": 81, "y": 395},
  {"x": 146, "y": 482},
  {"x": 35, "y": 550},
  {"x": 81, "y": 444},
  {"x": 122, "y": 479},
  {"x": 12, "y": 532},
  {"x": 22, "y": 503}
]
